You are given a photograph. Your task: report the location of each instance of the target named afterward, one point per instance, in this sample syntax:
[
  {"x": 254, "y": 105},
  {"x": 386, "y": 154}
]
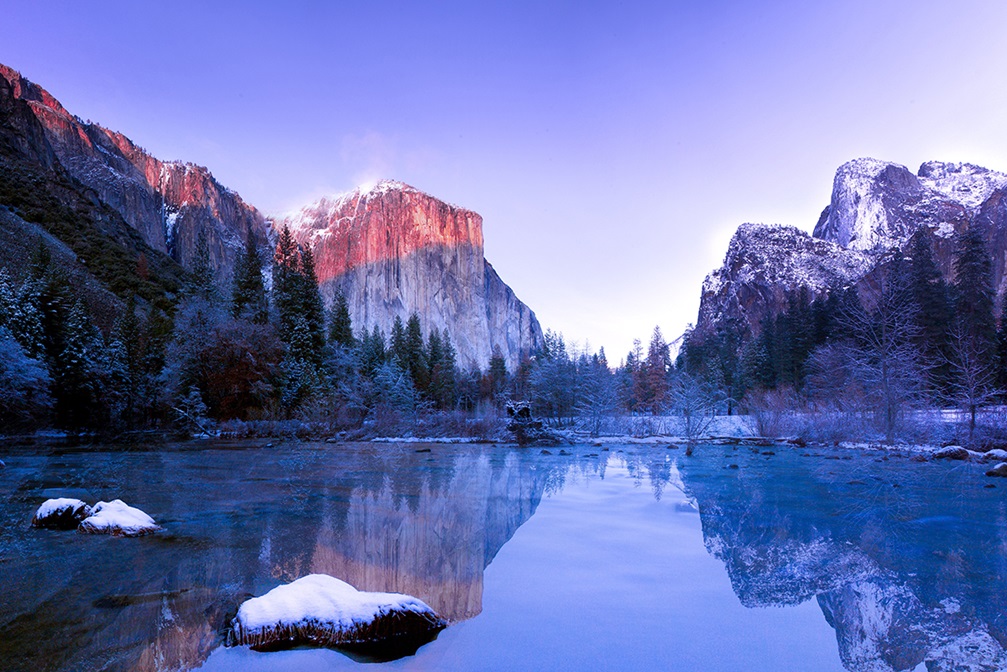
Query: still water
[{"x": 634, "y": 558}]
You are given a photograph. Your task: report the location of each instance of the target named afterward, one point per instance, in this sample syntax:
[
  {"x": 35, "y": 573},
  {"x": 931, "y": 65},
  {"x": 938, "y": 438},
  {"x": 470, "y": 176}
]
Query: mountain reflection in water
[
  {"x": 238, "y": 522},
  {"x": 908, "y": 562}
]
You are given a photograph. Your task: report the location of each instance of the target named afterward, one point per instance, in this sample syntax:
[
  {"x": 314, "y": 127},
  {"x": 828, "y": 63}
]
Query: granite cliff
[
  {"x": 168, "y": 202},
  {"x": 876, "y": 206},
  {"x": 394, "y": 250},
  {"x": 391, "y": 249}
]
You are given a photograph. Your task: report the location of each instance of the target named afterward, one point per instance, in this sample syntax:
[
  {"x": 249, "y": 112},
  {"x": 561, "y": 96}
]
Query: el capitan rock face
[
  {"x": 394, "y": 250},
  {"x": 876, "y": 207},
  {"x": 168, "y": 202},
  {"x": 391, "y": 249}
]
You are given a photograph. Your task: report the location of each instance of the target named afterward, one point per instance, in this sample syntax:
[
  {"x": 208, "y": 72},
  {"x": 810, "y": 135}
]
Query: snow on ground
[
  {"x": 321, "y": 601},
  {"x": 119, "y": 519},
  {"x": 426, "y": 439}
]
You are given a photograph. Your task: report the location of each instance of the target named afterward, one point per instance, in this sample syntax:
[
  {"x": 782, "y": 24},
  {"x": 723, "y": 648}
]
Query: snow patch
[
  {"x": 118, "y": 519},
  {"x": 322, "y": 603},
  {"x": 61, "y": 513}
]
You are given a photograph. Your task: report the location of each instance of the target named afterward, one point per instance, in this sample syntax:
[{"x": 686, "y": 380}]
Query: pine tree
[
  {"x": 933, "y": 310},
  {"x": 312, "y": 308},
  {"x": 397, "y": 344},
  {"x": 497, "y": 373},
  {"x": 201, "y": 282},
  {"x": 248, "y": 294},
  {"x": 19, "y": 312},
  {"x": 75, "y": 381},
  {"x": 442, "y": 365},
  {"x": 125, "y": 360},
  {"x": 372, "y": 350},
  {"x": 973, "y": 291},
  {"x": 286, "y": 282},
  {"x": 340, "y": 325},
  {"x": 416, "y": 363},
  {"x": 653, "y": 389}
]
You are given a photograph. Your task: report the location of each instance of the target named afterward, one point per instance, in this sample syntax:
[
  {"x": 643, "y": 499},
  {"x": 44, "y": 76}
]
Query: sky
[{"x": 611, "y": 148}]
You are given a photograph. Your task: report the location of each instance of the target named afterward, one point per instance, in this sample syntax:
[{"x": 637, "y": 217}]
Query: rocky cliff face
[
  {"x": 394, "y": 250},
  {"x": 391, "y": 249},
  {"x": 876, "y": 207},
  {"x": 168, "y": 203},
  {"x": 765, "y": 265}
]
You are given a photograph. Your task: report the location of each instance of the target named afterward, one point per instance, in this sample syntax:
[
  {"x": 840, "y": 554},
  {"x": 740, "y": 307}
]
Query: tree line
[
  {"x": 903, "y": 339},
  {"x": 245, "y": 353}
]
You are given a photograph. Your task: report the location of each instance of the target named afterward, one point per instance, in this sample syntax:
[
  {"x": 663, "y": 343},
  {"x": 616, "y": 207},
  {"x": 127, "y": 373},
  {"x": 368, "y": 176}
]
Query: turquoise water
[{"x": 636, "y": 558}]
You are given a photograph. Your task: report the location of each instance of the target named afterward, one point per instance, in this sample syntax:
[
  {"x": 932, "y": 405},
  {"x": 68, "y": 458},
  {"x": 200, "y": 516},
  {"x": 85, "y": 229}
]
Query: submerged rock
[
  {"x": 118, "y": 519},
  {"x": 62, "y": 513},
  {"x": 951, "y": 453},
  {"x": 999, "y": 470},
  {"x": 320, "y": 610}
]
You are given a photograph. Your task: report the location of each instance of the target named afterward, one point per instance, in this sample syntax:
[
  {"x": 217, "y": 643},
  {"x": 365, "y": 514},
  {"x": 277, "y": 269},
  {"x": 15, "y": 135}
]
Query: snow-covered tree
[{"x": 24, "y": 384}]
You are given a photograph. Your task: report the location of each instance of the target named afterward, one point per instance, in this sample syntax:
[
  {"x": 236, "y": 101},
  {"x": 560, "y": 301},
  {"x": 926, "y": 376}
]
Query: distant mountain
[
  {"x": 876, "y": 207},
  {"x": 102, "y": 202},
  {"x": 394, "y": 250}
]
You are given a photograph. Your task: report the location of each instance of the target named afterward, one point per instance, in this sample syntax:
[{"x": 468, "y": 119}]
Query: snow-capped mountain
[
  {"x": 394, "y": 250},
  {"x": 876, "y": 207}
]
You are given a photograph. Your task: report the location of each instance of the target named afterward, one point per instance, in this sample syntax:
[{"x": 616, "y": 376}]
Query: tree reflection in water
[{"x": 907, "y": 561}]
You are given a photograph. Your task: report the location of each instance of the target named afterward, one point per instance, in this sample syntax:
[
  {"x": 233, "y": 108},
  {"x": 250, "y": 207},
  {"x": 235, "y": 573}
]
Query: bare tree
[
  {"x": 881, "y": 355},
  {"x": 973, "y": 379},
  {"x": 696, "y": 402}
]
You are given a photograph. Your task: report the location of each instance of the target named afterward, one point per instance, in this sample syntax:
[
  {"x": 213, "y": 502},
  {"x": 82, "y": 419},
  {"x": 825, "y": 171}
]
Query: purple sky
[{"x": 612, "y": 149}]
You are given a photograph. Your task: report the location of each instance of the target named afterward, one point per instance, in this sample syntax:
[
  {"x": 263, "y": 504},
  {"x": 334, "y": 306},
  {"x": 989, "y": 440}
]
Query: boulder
[
  {"x": 118, "y": 519},
  {"x": 995, "y": 455},
  {"x": 62, "y": 513},
  {"x": 999, "y": 470},
  {"x": 951, "y": 453},
  {"x": 320, "y": 610}
]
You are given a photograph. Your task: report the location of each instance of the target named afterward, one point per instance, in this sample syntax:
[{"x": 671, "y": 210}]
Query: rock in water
[
  {"x": 320, "y": 610},
  {"x": 60, "y": 514},
  {"x": 118, "y": 519},
  {"x": 951, "y": 453},
  {"x": 995, "y": 455},
  {"x": 999, "y": 470}
]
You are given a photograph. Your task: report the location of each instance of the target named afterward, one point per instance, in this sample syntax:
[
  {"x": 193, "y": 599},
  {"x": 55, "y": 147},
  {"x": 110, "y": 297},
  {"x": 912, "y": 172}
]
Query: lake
[{"x": 632, "y": 558}]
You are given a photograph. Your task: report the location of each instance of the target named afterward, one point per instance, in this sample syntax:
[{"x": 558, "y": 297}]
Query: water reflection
[
  {"x": 908, "y": 562},
  {"x": 239, "y": 522}
]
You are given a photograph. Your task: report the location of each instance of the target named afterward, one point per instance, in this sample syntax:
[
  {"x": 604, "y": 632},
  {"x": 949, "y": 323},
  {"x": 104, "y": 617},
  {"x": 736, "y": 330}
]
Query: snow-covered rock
[
  {"x": 995, "y": 455},
  {"x": 999, "y": 470},
  {"x": 951, "y": 453},
  {"x": 879, "y": 204},
  {"x": 62, "y": 513},
  {"x": 118, "y": 519},
  {"x": 321, "y": 610}
]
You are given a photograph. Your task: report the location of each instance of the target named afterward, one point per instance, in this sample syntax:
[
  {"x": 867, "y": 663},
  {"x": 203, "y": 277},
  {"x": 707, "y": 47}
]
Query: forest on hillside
[
  {"x": 860, "y": 362},
  {"x": 871, "y": 359},
  {"x": 252, "y": 357}
]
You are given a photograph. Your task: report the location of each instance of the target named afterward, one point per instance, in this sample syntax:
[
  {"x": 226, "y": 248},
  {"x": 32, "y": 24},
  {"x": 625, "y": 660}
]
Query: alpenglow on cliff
[{"x": 393, "y": 250}]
